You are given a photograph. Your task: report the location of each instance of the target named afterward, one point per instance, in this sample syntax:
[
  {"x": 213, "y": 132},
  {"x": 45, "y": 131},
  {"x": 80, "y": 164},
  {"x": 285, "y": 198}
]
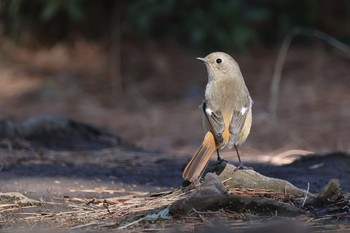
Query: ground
[{"x": 159, "y": 121}]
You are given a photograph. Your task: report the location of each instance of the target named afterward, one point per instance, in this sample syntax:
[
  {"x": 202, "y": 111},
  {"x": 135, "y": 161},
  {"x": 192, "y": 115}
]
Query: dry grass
[
  {"x": 134, "y": 214},
  {"x": 109, "y": 212}
]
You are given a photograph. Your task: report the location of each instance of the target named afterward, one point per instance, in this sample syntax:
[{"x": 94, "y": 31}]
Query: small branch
[
  {"x": 93, "y": 223},
  {"x": 276, "y": 79},
  {"x": 115, "y": 51},
  {"x": 307, "y": 193},
  {"x": 130, "y": 224}
]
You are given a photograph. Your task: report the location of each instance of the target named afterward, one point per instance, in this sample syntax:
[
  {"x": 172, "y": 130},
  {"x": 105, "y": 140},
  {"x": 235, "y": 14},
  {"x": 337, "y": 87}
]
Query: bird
[{"x": 226, "y": 110}]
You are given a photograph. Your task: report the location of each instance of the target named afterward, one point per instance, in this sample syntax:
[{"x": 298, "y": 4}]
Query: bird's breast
[{"x": 220, "y": 95}]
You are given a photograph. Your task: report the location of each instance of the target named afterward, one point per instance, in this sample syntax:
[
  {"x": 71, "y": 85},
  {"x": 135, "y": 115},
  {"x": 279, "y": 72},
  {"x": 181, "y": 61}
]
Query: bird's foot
[
  {"x": 242, "y": 167},
  {"x": 220, "y": 160}
]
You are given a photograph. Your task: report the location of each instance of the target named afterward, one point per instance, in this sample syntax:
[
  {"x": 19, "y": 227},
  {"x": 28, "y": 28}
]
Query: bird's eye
[{"x": 218, "y": 60}]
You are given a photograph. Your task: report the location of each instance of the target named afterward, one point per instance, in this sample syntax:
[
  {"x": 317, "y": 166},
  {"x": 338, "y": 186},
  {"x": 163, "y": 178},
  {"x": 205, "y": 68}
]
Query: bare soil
[
  {"x": 158, "y": 121},
  {"x": 64, "y": 177}
]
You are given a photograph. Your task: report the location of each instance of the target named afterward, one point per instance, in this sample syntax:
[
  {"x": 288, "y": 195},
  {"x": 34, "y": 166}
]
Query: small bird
[{"x": 227, "y": 112}]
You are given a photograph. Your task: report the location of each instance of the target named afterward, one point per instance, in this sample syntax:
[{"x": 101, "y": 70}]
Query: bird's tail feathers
[{"x": 200, "y": 159}]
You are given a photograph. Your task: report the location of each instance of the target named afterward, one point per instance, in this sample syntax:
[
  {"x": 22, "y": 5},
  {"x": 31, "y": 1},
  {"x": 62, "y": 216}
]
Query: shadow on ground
[{"x": 45, "y": 164}]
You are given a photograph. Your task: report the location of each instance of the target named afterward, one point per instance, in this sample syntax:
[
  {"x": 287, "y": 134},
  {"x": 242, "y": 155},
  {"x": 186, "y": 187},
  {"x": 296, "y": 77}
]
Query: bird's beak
[{"x": 202, "y": 59}]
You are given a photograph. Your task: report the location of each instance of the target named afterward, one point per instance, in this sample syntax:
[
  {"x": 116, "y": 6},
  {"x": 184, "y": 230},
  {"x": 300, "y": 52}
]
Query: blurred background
[{"x": 130, "y": 66}]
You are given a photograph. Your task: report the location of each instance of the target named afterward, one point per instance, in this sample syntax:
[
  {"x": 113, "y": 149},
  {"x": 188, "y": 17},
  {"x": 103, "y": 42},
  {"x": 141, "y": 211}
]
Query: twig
[
  {"x": 84, "y": 225},
  {"x": 275, "y": 83},
  {"x": 106, "y": 205},
  {"x": 306, "y": 195},
  {"x": 131, "y": 223},
  {"x": 115, "y": 66},
  {"x": 33, "y": 226},
  {"x": 204, "y": 212},
  {"x": 230, "y": 178},
  {"x": 206, "y": 221},
  {"x": 90, "y": 202}
]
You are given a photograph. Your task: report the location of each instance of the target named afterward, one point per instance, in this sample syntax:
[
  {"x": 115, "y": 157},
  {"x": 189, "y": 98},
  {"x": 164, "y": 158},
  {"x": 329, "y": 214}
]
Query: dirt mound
[{"x": 55, "y": 132}]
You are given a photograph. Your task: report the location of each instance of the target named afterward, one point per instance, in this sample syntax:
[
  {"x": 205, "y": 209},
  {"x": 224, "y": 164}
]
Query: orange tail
[{"x": 199, "y": 161}]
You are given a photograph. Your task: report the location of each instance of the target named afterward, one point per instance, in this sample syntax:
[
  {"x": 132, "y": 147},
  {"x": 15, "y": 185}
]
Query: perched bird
[{"x": 227, "y": 112}]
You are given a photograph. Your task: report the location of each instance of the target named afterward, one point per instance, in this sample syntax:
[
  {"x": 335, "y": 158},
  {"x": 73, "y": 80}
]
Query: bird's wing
[
  {"x": 213, "y": 122},
  {"x": 237, "y": 122}
]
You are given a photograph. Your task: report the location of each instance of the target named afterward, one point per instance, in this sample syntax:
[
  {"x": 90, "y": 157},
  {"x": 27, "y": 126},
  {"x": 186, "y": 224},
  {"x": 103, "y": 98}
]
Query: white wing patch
[
  {"x": 208, "y": 111},
  {"x": 244, "y": 110}
]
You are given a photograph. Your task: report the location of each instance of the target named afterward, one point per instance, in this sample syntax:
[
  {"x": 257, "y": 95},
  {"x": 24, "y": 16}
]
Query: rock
[
  {"x": 331, "y": 191},
  {"x": 16, "y": 198},
  {"x": 212, "y": 196},
  {"x": 250, "y": 179}
]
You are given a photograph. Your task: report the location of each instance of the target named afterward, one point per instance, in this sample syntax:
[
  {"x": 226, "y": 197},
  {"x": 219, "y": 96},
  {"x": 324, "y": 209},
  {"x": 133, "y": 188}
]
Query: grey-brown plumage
[{"x": 227, "y": 111}]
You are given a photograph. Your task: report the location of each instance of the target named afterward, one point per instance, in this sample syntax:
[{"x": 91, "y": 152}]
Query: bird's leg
[
  {"x": 240, "y": 166},
  {"x": 219, "y": 157},
  {"x": 239, "y": 157},
  {"x": 218, "y": 154}
]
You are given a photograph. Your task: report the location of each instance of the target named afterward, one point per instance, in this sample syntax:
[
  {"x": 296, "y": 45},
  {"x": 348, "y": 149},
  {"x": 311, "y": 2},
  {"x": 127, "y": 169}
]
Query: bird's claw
[{"x": 242, "y": 167}]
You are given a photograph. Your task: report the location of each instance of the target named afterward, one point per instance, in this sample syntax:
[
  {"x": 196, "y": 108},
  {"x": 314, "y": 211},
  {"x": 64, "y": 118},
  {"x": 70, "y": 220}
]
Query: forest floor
[{"x": 158, "y": 121}]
